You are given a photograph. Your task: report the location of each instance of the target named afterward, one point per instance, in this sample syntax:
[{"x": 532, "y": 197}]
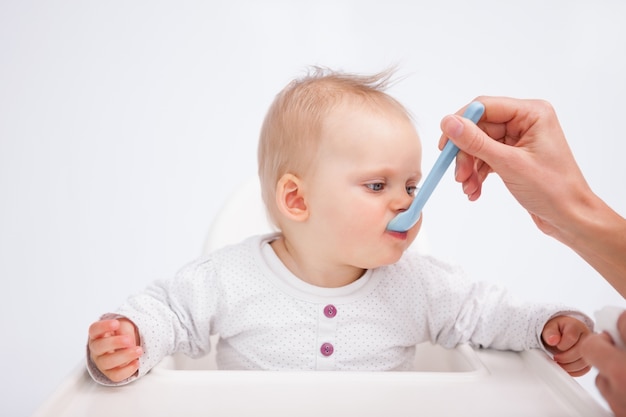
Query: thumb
[
  {"x": 127, "y": 327},
  {"x": 551, "y": 334},
  {"x": 471, "y": 139}
]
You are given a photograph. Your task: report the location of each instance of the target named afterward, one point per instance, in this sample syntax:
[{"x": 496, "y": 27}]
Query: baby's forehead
[
  {"x": 356, "y": 107},
  {"x": 365, "y": 121}
]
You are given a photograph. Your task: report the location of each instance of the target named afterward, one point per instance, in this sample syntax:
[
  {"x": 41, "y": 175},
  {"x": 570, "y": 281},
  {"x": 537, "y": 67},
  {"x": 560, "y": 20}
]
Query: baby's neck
[{"x": 313, "y": 270}]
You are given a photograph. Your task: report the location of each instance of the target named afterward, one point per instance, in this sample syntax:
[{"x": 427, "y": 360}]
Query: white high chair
[
  {"x": 460, "y": 381},
  {"x": 242, "y": 215}
]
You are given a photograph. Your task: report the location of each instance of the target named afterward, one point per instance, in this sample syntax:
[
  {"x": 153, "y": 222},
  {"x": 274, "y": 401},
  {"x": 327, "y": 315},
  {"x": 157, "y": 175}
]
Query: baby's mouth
[{"x": 398, "y": 235}]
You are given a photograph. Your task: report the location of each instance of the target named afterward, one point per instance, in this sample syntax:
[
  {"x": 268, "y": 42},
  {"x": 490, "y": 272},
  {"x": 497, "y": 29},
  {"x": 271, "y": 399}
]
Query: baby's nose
[{"x": 402, "y": 202}]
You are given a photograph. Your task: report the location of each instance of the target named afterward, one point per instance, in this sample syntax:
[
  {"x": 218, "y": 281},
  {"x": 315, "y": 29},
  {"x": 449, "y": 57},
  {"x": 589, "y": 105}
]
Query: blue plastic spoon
[{"x": 407, "y": 219}]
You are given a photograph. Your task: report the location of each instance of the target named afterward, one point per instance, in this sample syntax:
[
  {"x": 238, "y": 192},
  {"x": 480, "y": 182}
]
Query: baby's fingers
[
  {"x": 103, "y": 328},
  {"x": 117, "y": 367},
  {"x": 110, "y": 344},
  {"x": 572, "y": 363},
  {"x": 563, "y": 333},
  {"x": 118, "y": 359}
]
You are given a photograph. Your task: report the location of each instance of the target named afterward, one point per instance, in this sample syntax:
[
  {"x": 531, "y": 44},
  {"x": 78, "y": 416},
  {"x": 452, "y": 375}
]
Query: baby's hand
[
  {"x": 114, "y": 348},
  {"x": 562, "y": 336}
]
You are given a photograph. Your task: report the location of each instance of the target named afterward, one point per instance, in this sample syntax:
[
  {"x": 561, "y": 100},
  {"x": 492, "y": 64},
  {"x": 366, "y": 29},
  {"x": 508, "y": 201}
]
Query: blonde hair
[{"x": 289, "y": 135}]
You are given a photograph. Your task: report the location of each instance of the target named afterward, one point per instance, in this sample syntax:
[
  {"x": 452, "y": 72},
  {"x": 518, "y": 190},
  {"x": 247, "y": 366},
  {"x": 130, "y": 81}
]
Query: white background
[{"x": 124, "y": 125}]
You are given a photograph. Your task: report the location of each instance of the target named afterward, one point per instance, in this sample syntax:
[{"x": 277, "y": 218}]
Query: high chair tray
[{"x": 456, "y": 382}]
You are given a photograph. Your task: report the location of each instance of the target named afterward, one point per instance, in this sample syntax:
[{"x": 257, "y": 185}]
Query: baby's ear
[{"x": 290, "y": 199}]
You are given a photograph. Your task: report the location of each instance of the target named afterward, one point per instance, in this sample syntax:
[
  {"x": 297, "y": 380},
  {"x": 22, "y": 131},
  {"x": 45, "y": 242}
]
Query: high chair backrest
[{"x": 243, "y": 215}]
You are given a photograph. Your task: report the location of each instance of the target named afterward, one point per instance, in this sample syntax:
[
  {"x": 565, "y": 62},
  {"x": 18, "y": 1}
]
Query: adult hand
[
  {"x": 523, "y": 142},
  {"x": 600, "y": 351}
]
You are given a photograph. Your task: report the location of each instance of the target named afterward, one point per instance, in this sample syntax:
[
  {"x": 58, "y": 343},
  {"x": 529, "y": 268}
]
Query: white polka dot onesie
[{"x": 269, "y": 319}]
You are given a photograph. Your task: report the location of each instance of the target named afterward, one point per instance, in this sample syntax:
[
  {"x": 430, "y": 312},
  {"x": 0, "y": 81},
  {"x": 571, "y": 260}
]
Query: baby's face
[{"x": 367, "y": 169}]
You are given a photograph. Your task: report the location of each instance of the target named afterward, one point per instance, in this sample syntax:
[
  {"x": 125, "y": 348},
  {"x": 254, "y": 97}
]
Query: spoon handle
[{"x": 407, "y": 219}]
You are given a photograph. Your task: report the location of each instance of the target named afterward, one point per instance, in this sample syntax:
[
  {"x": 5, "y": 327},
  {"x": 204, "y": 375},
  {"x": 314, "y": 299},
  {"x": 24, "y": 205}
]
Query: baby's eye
[
  {"x": 411, "y": 190},
  {"x": 376, "y": 186}
]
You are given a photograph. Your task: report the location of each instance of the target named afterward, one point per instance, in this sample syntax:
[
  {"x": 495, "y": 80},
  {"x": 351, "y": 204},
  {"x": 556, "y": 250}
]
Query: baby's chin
[{"x": 389, "y": 260}]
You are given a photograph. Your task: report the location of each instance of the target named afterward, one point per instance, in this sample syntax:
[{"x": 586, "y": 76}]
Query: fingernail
[
  {"x": 452, "y": 126},
  {"x": 552, "y": 340}
]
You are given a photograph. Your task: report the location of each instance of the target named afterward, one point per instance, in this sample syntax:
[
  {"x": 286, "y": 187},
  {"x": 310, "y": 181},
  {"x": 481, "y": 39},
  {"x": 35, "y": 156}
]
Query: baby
[{"x": 333, "y": 289}]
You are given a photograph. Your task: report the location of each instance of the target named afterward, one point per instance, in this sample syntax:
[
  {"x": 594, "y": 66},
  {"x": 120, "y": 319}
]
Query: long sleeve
[
  {"x": 484, "y": 314},
  {"x": 171, "y": 316}
]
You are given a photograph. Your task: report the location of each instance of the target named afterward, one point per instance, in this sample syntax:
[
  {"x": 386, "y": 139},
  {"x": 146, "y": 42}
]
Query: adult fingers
[
  {"x": 621, "y": 326},
  {"x": 467, "y": 175},
  {"x": 472, "y": 140},
  {"x": 599, "y": 350}
]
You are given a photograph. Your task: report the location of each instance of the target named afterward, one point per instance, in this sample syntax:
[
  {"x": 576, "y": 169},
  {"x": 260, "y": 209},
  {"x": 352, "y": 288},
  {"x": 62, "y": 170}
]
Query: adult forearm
[{"x": 598, "y": 234}]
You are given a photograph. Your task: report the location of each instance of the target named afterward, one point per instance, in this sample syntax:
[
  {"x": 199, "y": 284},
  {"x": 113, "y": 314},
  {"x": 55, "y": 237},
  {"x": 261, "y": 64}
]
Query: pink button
[
  {"x": 330, "y": 311},
  {"x": 327, "y": 349}
]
